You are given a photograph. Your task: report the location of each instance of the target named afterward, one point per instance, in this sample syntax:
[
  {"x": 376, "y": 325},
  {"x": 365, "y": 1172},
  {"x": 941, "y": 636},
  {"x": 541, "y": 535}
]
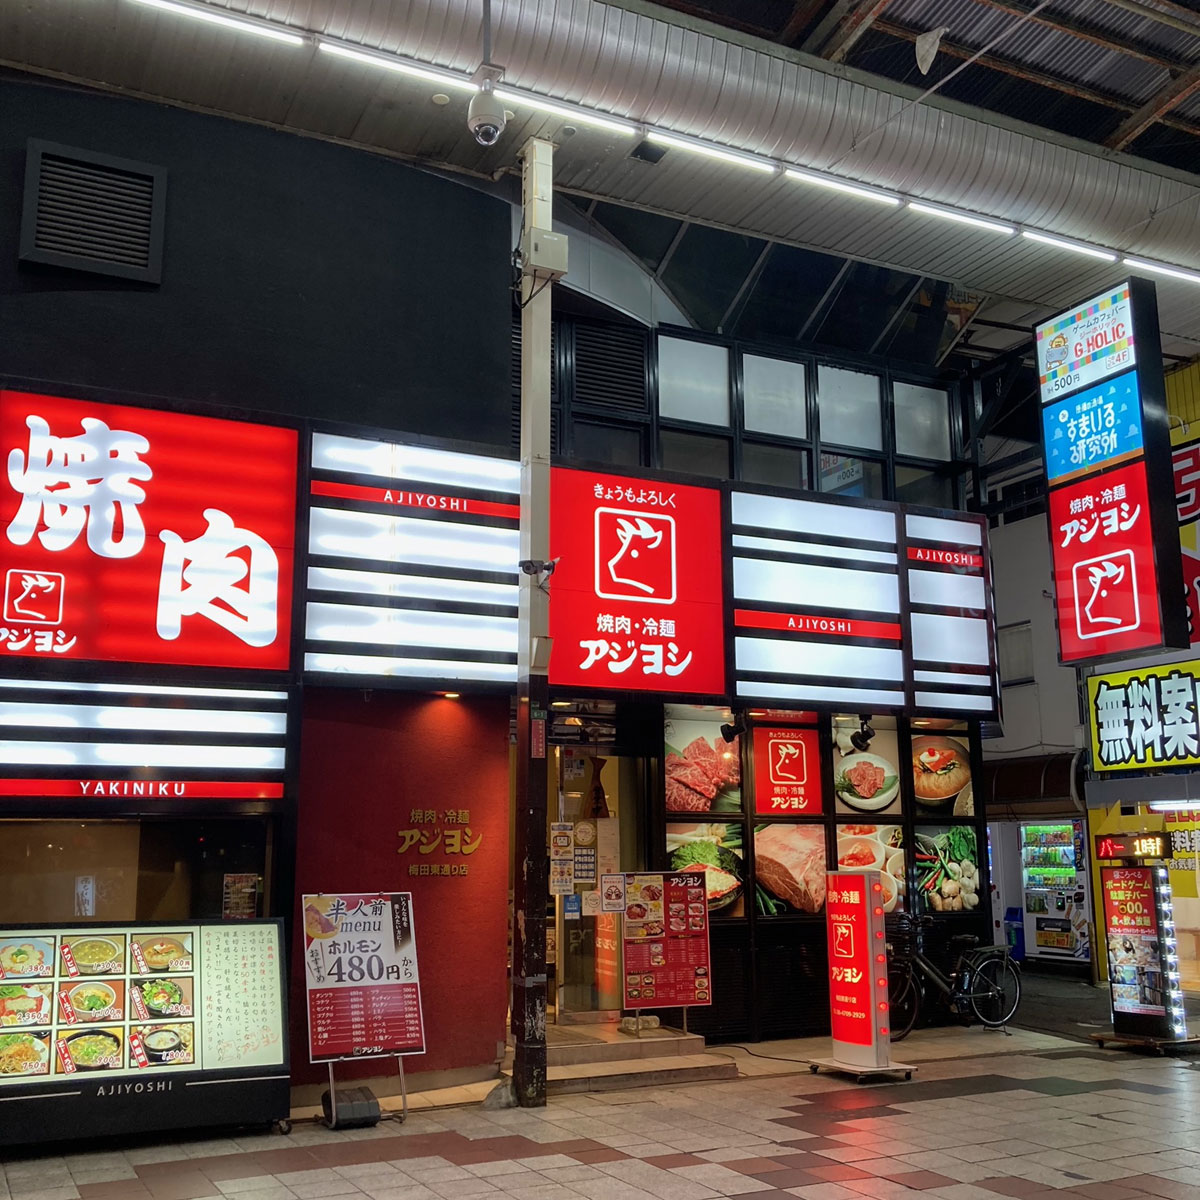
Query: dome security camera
[{"x": 485, "y": 116}]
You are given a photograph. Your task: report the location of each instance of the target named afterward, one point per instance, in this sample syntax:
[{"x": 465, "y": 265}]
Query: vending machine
[{"x": 1054, "y": 880}]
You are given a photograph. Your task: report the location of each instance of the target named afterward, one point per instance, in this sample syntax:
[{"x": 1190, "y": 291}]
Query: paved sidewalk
[{"x": 1075, "y": 1122}]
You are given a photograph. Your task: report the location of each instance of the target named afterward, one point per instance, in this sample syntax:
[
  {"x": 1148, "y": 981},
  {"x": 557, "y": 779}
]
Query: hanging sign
[
  {"x": 665, "y": 939},
  {"x": 360, "y": 976},
  {"x": 637, "y": 584},
  {"x": 1088, "y": 343},
  {"x": 1145, "y": 718},
  {"x": 135, "y": 535}
]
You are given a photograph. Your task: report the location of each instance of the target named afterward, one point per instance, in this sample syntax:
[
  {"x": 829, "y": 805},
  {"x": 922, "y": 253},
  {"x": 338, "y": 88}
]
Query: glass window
[
  {"x": 1014, "y": 649},
  {"x": 850, "y": 409},
  {"x": 922, "y": 417},
  {"x": 774, "y": 396},
  {"x": 608, "y": 444},
  {"x": 779, "y": 465},
  {"x": 933, "y": 489},
  {"x": 845, "y": 476},
  {"x": 693, "y": 381},
  {"x": 695, "y": 453}
]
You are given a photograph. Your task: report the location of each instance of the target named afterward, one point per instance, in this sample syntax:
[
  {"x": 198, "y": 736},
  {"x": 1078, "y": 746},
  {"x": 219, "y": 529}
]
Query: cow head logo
[{"x": 635, "y": 556}]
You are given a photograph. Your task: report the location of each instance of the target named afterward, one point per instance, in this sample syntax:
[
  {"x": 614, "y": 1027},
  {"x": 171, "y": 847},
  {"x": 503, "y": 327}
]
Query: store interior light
[
  {"x": 389, "y": 62},
  {"x": 1063, "y": 244},
  {"x": 707, "y": 150},
  {"x": 838, "y": 185},
  {"x": 1171, "y": 805},
  {"x": 962, "y": 218},
  {"x": 1141, "y": 264},
  {"x": 197, "y": 12},
  {"x": 451, "y": 695},
  {"x": 585, "y": 116}
]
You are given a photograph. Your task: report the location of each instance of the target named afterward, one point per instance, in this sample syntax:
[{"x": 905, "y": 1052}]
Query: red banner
[
  {"x": 1135, "y": 969},
  {"x": 638, "y": 595},
  {"x": 814, "y": 623},
  {"x": 1105, "y": 579},
  {"x": 164, "y": 789},
  {"x": 665, "y": 937},
  {"x": 787, "y": 772},
  {"x": 403, "y": 498},
  {"x": 135, "y": 535}
]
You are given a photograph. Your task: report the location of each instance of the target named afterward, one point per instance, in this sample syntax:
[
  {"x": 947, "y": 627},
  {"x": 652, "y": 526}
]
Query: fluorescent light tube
[
  {"x": 1159, "y": 269},
  {"x": 262, "y": 29},
  {"x": 851, "y": 189},
  {"x": 1090, "y": 251},
  {"x": 584, "y": 116},
  {"x": 962, "y": 218},
  {"x": 389, "y": 62},
  {"x": 710, "y": 151},
  {"x": 1172, "y": 806}
]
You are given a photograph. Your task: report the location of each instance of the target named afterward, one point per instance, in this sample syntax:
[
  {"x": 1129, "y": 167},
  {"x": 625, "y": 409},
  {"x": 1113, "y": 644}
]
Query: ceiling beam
[
  {"x": 1177, "y": 16},
  {"x": 1032, "y": 75},
  {"x": 803, "y": 15},
  {"x": 857, "y": 21},
  {"x": 1176, "y": 92}
]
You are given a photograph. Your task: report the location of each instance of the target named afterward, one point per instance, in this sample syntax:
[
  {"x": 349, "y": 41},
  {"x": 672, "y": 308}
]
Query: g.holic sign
[
  {"x": 636, "y": 596},
  {"x": 134, "y": 535}
]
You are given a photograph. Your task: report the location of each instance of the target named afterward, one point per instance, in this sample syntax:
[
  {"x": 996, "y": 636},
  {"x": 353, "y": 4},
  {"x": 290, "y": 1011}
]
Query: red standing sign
[
  {"x": 1105, "y": 575},
  {"x": 134, "y": 535},
  {"x": 787, "y": 771},
  {"x": 665, "y": 937},
  {"x": 636, "y": 595}
]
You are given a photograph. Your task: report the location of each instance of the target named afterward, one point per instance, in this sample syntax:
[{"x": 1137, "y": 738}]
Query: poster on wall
[
  {"x": 665, "y": 941},
  {"x": 703, "y": 771},
  {"x": 867, "y": 845},
  {"x": 866, "y": 772},
  {"x": 941, "y": 768},
  {"x": 1135, "y": 968},
  {"x": 112, "y": 1010},
  {"x": 789, "y": 869},
  {"x": 787, "y": 772},
  {"x": 948, "y": 874},
  {"x": 360, "y": 976},
  {"x": 716, "y": 849},
  {"x": 136, "y": 535},
  {"x": 638, "y": 577}
]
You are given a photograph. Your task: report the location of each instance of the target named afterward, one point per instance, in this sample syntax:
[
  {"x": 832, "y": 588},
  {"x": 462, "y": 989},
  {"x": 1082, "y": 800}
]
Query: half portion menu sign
[
  {"x": 360, "y": 974},
  {"x": 665, "y": 936},
  {"x": 121, "y": 1011}
]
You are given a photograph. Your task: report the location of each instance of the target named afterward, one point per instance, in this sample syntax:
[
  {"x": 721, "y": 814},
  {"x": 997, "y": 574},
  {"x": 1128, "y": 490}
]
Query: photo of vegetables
[
  {"x": 947, "y": 868},
  {"x": 715, "y": 849},
  {"x": 703, "y": 771},
  {"x": 866, "y": 778},
  {"x": 789, "y": 869}
]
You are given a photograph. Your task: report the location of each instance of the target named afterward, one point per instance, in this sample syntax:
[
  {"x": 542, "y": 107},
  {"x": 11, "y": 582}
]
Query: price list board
[
  {"x": 665, "y": 941},
  {"x": 361, "y": 976},
  {"x": 119, "y": 1012}
]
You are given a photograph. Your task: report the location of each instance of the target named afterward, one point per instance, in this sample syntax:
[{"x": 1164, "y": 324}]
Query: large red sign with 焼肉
[
  {"x": 133, "y": 535},
  {"x": 787, "y": 771},
  {"x": 636, "y": 596},
  {"x": 1105, "y": 574}
]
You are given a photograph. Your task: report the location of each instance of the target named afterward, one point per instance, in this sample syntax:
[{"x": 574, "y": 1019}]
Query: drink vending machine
[{"x": 1054, "y": 879}]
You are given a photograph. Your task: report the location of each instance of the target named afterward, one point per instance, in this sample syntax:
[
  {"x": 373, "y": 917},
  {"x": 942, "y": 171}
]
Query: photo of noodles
[{"x": 23, "y": 1054}]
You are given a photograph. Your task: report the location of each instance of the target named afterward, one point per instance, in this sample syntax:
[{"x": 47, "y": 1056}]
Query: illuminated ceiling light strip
[
  {"x": 1142, "y": 265},
  {"x": 1063, "y": 244},
  {"x": 962, "y": 218},
  {"x": 837, "y": 185},
  {"x": 569, "y": 112},
  {"x": 61, "y": 685},
  {"x": 263, "y": 29},
  {"x": 1174, "y": 805},
  {"x": 402, "y": 66},
  {"x": 710, "y": 150}
]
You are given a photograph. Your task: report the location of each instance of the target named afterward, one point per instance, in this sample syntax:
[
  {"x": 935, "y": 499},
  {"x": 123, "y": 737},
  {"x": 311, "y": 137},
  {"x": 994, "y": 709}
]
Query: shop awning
[{"x": 1038, "y": 786}]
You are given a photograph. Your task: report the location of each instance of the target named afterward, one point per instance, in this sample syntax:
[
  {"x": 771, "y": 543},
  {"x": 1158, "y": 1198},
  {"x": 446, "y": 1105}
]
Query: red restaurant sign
[
  {"x": 636, "y": 595},
  {"x": 151, "y": 789},
  {"x": 787, "y": 771},
  {"x": 1105, "y": 577},
  {"x": 858, "y": 996},
  {"x": 135, "y": 535}
]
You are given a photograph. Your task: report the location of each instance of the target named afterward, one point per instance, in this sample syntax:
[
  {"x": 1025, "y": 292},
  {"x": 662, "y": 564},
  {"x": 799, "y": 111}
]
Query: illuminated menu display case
[{"x": 141, "y": 1027}]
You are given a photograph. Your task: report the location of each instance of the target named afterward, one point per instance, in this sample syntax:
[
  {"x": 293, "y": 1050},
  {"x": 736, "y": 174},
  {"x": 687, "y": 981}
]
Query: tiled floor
[{"x": 1069, "y": 1123}]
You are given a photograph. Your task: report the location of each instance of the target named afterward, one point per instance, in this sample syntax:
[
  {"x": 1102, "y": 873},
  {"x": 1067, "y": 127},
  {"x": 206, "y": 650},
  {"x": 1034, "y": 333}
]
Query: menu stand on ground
[{"x": 359, "y": 1106}]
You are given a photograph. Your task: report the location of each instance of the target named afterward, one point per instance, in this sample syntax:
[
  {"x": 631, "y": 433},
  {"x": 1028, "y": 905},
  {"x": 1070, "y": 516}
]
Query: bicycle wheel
[
  {"x": 995, "y": 991},
  {"x": 904, "y": 1000}
]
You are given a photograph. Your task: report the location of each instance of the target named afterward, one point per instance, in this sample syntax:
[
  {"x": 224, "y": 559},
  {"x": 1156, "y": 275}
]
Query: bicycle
[{"x": 984, "y": 980}]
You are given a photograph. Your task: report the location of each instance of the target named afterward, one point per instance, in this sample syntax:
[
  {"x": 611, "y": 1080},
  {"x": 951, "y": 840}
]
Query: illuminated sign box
[
  {"x": 1132, "y": 846},
  {"x": 1106, "y": 446},
  {"x": 136, "y": 535},
  {"x": 1144, "y": 719}
]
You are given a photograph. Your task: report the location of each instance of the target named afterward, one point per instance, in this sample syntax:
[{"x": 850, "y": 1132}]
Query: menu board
[
  {"x": 1135, "y": 970},
  {"x": 107, "y": 1001},
  {"x": 665, "y": 939},
  {"x": 360, "y": 973}
]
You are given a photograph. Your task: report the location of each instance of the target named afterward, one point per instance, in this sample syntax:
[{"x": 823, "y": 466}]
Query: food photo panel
[
  {"x": 947, "y": 873},
  {"x": 941, "y": 769},
  {"x": 703, "y": 770},
  {"x": 875, "y": 846},
  {"x": 716, "y": 849},
  {"x": 866, "y": 771},
  {"x": 789, "y": 869}
]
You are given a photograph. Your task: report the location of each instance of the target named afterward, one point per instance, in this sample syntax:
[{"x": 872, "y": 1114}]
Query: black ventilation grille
[
  {"x": 91, "y": 212},
  {"x": 610, "y": 368}
]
